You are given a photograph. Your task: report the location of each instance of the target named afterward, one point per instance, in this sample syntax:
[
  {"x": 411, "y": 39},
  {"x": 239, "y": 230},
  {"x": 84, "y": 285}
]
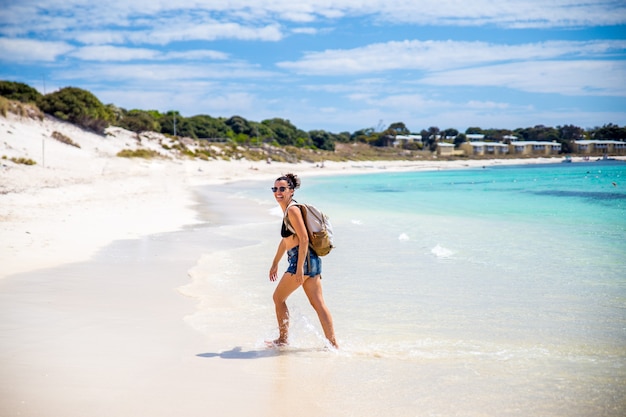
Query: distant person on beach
[{"x": 305, "y": 267}]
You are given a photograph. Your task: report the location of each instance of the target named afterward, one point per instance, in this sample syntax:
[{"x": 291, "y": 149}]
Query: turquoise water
[{"x": 501, "y": 289}]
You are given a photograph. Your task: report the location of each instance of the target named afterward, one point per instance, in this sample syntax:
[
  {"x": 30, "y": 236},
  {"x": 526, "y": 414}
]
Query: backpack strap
[
  {"x": 290, "y": 227},
  {"x": 286, "y": 218}
]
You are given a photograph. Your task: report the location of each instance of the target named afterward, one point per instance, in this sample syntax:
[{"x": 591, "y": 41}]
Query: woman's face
[{"x": 283, "y": 192}]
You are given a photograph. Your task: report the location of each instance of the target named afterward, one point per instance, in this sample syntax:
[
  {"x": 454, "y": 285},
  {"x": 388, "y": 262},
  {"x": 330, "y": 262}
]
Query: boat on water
[{"x": 605, "y": 158}]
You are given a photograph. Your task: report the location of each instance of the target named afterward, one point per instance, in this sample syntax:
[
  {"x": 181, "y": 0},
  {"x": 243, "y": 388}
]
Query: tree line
[{"x": 82, "y": 108}]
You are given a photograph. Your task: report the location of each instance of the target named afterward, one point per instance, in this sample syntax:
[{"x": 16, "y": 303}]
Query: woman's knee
[
  {"x": 284, "y": 289},
  {"x": 279, "y": 298}
]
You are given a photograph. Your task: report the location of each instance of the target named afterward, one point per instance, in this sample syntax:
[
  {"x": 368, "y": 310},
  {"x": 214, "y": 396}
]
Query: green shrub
[
  {"x": 19, "y": 91},
  {"x": 77, "y": 106},
  {"x": 138, "y": 153},
  {"x": 138, "y": 121},
  {"x": 23, "y": 161}
]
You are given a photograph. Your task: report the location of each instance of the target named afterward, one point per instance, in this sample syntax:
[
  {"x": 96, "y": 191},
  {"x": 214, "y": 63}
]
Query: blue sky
[{"x": 336, "y": 65}]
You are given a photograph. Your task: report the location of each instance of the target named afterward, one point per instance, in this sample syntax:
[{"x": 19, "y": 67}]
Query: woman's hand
[
  {"x": 274, "y": 272},
  {"x": 299, "y": 277}
]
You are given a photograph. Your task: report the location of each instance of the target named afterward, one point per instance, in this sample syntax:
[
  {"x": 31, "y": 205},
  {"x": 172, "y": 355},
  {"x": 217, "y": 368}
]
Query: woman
[{"x": 305, "y": 267}]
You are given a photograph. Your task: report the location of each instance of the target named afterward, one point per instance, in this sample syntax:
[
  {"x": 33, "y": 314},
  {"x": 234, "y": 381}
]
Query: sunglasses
[{"x": 281, "y": 189}]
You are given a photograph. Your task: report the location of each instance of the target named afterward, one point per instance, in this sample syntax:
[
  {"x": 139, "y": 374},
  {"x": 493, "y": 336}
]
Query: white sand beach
[{"x": 78, "y": 336}]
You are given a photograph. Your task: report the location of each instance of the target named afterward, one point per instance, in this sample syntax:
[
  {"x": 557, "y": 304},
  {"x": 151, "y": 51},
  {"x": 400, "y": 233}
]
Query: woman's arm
[
  {"x": 280, "y": 251},
  {"x": 297, "y": 222},
  {"x": 285, "y": 244}
]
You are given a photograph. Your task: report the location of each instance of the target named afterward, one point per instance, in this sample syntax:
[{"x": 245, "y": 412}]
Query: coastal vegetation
[
  {"x": 23, "y": 161},
  {"x": 138, "y": 153},
  {"x": 64, "y": 139},
  {"x": 275, "y": 138}
]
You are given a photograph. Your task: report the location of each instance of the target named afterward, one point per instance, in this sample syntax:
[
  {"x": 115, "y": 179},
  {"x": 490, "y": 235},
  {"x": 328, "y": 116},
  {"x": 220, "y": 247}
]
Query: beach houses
[
  {"x": 476, "y": 145},
  {"x": 587, "y": 147},
  {"x": 522, "y": 148},
  {"x": 535, "y": 148},
  {"x": 445, "y": 149},
  {"x": 484, "y": 148}
]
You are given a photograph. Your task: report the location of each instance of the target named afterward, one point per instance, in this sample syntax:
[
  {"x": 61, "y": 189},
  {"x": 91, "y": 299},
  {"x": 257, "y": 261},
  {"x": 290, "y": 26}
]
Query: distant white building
[
  {"x": 535, "y": 148},
  {"x": 600, "y": 146},
  {"x": 445, "y": 148},
  {"x": 485, "y": 148},
  {"x": 402, "y": 140},
  {"x": 475, "y": 136}
]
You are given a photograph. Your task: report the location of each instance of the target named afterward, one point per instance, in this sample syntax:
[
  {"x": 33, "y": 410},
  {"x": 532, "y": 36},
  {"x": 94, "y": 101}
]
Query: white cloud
[
  {"x": 172, "y": 73},
  {"x": 97, "y": 37},
  {"x": 508, "y": 14},
  {"x": 110, "y": 53},
  {"x": 306, "y": 31},
  {"x": 217, "y": 102},
  {"x": 598, "y": 78},
  {"x": 20, "y": 50},
  {"x": 196, "y": 55},
  {"x": 113, "y": 53},
  {"x": 169, "y": 32},
  {"x": 402, "y": 102},
  {"x": 366, "y": 85},
  {"x": 251, "y": 19},
  {"x": 438, "y": 55},
  {"x": 481, "y": 105}
]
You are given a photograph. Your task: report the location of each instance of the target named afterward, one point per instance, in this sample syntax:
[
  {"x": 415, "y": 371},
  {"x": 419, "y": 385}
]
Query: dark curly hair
[{"x": 292, "y": 180}]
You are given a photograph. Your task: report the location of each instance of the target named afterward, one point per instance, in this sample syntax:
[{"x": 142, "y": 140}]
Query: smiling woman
[{"x": 305, "y": 266}]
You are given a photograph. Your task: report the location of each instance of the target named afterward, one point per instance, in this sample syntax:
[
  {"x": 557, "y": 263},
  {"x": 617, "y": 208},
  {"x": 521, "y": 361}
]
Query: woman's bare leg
[
  {"x": 313, "y": 289},
  {"x": 285, "y": 287}
]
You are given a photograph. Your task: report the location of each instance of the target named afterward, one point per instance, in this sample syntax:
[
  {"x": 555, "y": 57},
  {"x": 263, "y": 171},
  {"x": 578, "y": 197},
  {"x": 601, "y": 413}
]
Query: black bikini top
[{"x": 284, "y": 231}]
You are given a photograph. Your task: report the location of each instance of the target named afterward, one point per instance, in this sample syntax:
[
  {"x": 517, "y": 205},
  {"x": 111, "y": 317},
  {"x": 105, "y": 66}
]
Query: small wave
[
  {"x": 468, "y": 351},
  {"x": 404, "y": 236},
  {"x": 441, "y": 252},
  {"x": 355, "y": 221}
]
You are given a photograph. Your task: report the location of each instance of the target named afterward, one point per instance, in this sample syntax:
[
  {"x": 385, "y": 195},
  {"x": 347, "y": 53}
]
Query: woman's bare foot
[{"x": 276, "y": 343}]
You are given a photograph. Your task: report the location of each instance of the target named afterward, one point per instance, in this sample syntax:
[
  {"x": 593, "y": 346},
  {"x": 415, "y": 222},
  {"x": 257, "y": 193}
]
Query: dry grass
[
  {"x": 138, "y": 153},
  {"x": 21, "y": 109},
  {"x": 292, "y": 154},
  {"x": 22, "y": 161},
  {"x": 64, "y": 139}
]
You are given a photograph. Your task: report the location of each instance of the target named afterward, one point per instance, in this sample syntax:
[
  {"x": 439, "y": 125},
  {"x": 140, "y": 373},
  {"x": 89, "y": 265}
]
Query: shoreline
[
  {"x": 44, "y": 226},
  {"x": 77, "y": 201}
]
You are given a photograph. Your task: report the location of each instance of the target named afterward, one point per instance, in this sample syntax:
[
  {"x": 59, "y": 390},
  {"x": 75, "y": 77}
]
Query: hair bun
[{"x": 292, "y": 180}]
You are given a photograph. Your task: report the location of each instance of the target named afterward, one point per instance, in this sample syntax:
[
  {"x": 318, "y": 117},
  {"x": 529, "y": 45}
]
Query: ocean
[{"x": 495, "y": 291}]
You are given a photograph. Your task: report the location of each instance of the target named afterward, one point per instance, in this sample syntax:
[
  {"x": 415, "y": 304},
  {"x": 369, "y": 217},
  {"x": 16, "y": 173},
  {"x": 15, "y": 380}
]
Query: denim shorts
[{"x": 310, "y": 270}]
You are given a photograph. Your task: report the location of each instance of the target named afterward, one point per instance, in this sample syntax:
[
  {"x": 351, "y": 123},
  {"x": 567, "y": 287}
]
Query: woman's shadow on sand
[{"x": 239, "y": 353}]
